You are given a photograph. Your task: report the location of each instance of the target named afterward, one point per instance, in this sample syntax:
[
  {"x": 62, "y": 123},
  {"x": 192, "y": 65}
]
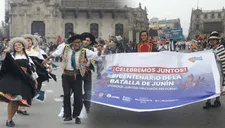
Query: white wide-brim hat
[
  {"x": 37, "y": 40},
  {"x": 18, "y": 39},
  {"x": 213, "y": 38},
  {"x": 29, "y": 36}
]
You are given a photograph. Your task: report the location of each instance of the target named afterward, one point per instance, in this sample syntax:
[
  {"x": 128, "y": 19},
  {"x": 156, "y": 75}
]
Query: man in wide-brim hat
[
  {"x": 219, "y": 52},
  {"x": 89, "y": 43},
  {"x": 92, "y": 39},
  {"x": 75, "y": 61}
]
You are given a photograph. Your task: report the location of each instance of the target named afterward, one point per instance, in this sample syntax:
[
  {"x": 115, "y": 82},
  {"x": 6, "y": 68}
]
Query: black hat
[
  {"x": 89, "y": 35},
  {"x": 75, "y": 37},
  {"x": 102, "y": 42},
  {"x": 72, "y": 33}
]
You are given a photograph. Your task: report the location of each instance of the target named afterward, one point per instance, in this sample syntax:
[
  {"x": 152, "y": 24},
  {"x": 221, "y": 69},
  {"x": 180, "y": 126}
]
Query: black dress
[{"x": 16, "y": 83}]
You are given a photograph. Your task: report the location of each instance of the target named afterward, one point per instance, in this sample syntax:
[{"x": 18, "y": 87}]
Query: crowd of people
[{"x": 28, "y": 61}]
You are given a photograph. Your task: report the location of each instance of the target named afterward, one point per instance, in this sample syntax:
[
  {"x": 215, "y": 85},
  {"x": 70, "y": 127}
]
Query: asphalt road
[{"x": 45, "y": 115}]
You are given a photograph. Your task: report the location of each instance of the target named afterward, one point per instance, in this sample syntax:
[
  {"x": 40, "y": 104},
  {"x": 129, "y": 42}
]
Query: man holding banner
[
  {"x": 88, "y": 43},
  {"x": 219, "y": 52}
]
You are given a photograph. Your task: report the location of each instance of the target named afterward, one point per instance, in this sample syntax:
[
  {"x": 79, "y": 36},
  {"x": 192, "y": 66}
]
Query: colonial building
[
  {"x": 206, "y": 21},
  {"x": 52, "y": 18}
]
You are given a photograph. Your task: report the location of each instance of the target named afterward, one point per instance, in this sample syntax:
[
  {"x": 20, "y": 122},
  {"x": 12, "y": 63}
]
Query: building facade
[
  {"x": 206, "y": 21},
  {"x": 155, "y": 25},
  {"x": 53, "y": 18}
]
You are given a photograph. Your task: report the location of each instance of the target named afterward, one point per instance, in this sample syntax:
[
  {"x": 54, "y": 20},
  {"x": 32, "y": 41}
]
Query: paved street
[{"x": 45, "y": 115}]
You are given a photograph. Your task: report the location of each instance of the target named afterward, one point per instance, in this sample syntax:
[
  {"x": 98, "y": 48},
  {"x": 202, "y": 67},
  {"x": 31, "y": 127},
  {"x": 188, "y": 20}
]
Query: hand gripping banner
[{"x": 144, "y": 82}]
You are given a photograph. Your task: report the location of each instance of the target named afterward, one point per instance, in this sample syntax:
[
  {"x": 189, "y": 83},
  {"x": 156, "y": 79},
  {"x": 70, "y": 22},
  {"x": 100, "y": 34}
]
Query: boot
[
  {"x": 216, "y": 104},
  {"x": 207, "y": 105},
  {"x": 77, "y": 120}
]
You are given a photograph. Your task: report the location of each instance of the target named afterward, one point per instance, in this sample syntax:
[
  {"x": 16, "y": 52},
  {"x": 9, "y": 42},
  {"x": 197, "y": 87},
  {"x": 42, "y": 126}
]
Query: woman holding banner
[
  {"x": 145, "y": 45},
  {"x": 219, "y": 52}
]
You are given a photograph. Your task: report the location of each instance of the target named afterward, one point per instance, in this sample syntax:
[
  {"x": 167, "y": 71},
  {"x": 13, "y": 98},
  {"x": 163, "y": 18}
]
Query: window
[
  {"x": 219, "y": 15},
  {"x": 205, "y": 16},
  {"x": 197, "y": 27},
  {"x": 197, "y": 16},
  {"x": 213, "y": 16},
  {"x": 38, "y": 27},
  {"x": 68, "y": 28},
  {"x": 94, "y": 29},
  {"x": 119, "y": 29}
]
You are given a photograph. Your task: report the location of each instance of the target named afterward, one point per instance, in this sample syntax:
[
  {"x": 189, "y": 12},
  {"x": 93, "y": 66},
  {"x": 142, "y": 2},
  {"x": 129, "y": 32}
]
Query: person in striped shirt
[{"x": 219, "y": 52}]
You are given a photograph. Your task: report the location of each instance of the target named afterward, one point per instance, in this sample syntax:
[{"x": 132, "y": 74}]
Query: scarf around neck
[{"x": 73, "y": 57}]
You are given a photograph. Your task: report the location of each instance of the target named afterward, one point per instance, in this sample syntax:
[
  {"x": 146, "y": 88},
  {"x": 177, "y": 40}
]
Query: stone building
[
  {"x": 206, "y": 21},
  {"x": 52, "y": 18},
  {"x": 155, "y": 24}
]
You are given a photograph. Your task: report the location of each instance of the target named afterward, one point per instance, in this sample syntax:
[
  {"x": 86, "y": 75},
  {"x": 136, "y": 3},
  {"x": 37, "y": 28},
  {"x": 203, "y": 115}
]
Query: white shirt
[
  {"x": 42, "y": 52},
  {"x": 89, "y": 54},
  {"x": 32, "y": 52},
  {"x": 89, "y": 60}
]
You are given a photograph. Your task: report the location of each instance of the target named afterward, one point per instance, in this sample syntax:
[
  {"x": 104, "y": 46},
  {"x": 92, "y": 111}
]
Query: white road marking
[
  {"x": 58, "y": 99},
  {"x": 49, "y": 91}
]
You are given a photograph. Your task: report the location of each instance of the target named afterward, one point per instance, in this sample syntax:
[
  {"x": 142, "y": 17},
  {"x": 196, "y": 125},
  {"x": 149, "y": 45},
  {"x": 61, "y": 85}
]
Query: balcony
[{"x": 86, "y": 4}]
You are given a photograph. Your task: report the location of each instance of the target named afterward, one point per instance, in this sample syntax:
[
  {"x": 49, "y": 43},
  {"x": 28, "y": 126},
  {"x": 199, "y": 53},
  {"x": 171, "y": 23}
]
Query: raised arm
[
  {"x": 56, "y": 53},
  {"x": 94, "y": 55}
]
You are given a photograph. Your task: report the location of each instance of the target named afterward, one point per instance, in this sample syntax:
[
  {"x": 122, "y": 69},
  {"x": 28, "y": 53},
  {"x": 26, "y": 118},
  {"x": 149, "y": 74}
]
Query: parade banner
[
  {"x": 156, "y": 81},
  {"x": 176, "y": 33}
]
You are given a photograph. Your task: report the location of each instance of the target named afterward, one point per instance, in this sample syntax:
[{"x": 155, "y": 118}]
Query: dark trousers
[
  {"x": 87, "y": 89},
  {"x": 68, "y": 84},
  {"x": 99, "y": 68},
  {"x": 39, "y": 84}
]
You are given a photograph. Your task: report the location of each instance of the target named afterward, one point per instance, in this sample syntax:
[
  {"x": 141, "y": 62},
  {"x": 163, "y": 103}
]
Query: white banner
[{"x": 157, "y": 81}]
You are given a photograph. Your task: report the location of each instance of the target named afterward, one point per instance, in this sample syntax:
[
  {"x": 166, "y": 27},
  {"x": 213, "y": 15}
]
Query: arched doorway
[
  {"x": 119, "y": 30},
  {"x": 38, "y": 27},
  {"x": 94, "y": 29},
  {"x": 68, "y": 29}
]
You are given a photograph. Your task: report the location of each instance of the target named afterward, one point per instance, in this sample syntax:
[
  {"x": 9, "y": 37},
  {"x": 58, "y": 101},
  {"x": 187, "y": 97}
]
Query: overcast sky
[
  {"x": 177, "y": 9},
  {"x": 2, "y": 10},
  {"x": 165, "y": 8}
]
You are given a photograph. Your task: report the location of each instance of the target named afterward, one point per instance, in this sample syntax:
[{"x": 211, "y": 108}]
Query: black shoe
[
  {"x": 68, "y": 119},
  {"x": 216, "y": 104},
  {"x": 77, "y": 120},
  {"x": 207, "y": 105},
  {"x": 10, "y": 123},
  {"x": 23, "y": 112}
]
